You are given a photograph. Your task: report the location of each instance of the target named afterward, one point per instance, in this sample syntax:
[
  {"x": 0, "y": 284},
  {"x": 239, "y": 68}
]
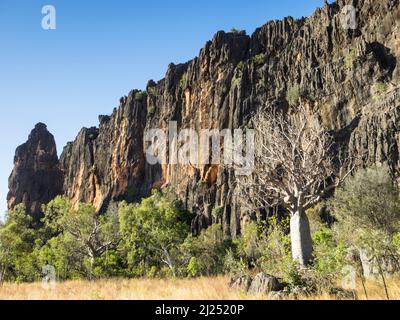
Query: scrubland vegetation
[
  {"x": 328, "y": 230},
  {"x": 150, "y": 243}
]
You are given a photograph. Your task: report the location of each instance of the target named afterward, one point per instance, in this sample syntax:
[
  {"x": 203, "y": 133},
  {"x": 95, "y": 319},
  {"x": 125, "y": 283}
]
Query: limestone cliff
[{"x": 350, "y": 78}]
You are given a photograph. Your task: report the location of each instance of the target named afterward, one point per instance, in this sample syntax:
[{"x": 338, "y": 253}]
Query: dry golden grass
[
  {"x": 120, "y": 289},
  {"x": 168, "y": 289},
  {"x": 375, "y": 291}
]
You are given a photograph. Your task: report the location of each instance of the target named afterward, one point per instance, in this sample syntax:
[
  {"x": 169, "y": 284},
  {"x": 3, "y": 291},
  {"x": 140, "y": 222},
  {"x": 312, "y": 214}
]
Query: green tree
[
  {"x": 80, "y": 236},
  {"x": 17, "y": 242},
  {"x": 152, "y": 232},
  {"x": 66, "y": 255}
]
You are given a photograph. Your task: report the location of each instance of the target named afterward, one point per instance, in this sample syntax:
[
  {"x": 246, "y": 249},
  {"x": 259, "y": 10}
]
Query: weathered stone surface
[
  {"x": 242, "y": 283},
  {"x": 264, "y": 284},
  {"x": 36, "y": 178},
  {"x": 107, "y": 163},
  {"x": 336, "y": 71}
]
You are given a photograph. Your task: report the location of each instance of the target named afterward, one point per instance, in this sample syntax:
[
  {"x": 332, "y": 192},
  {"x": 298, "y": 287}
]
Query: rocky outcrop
[
  {"x": 36, "y": 178},
  {"x": 107, "y": 163},
  {"x": 261, "y": 284},
  {"x": 264, "y": 284},
  {"x": 242, "y": 283},
  {"x": 349, "y": 78}
]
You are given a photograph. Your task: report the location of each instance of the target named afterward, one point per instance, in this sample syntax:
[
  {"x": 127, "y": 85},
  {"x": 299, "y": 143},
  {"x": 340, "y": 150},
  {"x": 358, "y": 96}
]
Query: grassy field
[{"x": 183, "y": 289}]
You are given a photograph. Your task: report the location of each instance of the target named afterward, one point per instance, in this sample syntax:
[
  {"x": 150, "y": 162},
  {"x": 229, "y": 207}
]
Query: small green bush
[
  {"x": 329, "y": 258},
  {"x": 234, "y": 265},
  {"x": 193, "y": 267},
  {"x": 151, "y": 111},
  {"x": 349, "y": 59},
  {"x": 293, "y": 95},
  {"x": 184, "y": 80},
  {"x": 240, "y": 66},
  {"x": 217, "y": 213},
  {"x": 259, "y": 59},
  {"x": 381, "y": 87},
  {"x": 209, "y": 249},
  {"x": 151, "y": 90},
  {"x": 140, "y": 96}
]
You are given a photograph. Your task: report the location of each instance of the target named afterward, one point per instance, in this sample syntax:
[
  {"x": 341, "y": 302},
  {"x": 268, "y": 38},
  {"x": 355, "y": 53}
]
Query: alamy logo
[
  {"x": 232, "y": 148},
  {"x": 49, "y": 20},
  {"x": 348, "y": 18}
]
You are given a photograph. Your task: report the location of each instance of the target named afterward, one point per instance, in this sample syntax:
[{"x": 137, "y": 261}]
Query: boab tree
[{"x": 294, "y": 169}]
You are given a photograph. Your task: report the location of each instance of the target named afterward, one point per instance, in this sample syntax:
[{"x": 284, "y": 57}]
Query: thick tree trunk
[{"x": 302, "y": 249}]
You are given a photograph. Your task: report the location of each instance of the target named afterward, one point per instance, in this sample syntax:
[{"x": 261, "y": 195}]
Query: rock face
[
  {"x": 264, "y": 284},
  {"x": 349, "y": 78},
  {"x": 36, "y": 178},
  {"x": 107, "y": 163},
  {"x": 241, "y": 283}
]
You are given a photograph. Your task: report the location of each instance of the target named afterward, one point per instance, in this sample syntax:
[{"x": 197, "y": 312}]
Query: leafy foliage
[
  {"x": 152, "y": 239},
  {"x": 152, "y": 232},
  {"x": 17, "y": 243},
  {"x": 367, "y": 208},
  {"x": 369, "y": 200},
  {"x": 209, "y": 249},
  {"x": 349, "y": 58},
  {"x": 381, "y": 87},
  {"x": 293, "y": 95},
  {"x": 140, "y": 96},
  {"x": 183, "y": 81},
  {"x": 259, "y": 59}
]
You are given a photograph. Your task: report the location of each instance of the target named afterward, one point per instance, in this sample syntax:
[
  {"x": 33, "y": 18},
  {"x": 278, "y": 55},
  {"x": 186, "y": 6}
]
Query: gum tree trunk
[{"x": 302, "y": 249}]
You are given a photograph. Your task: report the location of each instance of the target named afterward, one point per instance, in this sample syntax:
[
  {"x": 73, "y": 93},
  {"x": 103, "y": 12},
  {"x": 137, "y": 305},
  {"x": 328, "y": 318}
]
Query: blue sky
[{"x": 98, "y": 53}]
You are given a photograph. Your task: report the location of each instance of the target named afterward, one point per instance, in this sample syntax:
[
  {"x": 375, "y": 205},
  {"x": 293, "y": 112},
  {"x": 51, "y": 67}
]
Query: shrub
[
  {"x": 368, "y": 200},
  {"x": 293, "y": 95},
  {"x": 151, "y": 90},
  {"x": 140, "y": 96},
  {"x": 368, "y": 210},
  {"x": 193, "y": 267},
  {"x": 217, "y": 213},
  {"x": 381, "y": 87},
  {"x": 183, "y": 81},
  {"x": 329, "y": 259},
  {"x": 151, "y": 111},
  {"x": 209, "y": 249},
  {"x": 240, "y": 66},
  {"x": 250, "y": 244},
  {"x": 396, "y": 242},
  {"x": 259, "y": 59},
  {"x": 275, "y": 248},
  {"x": 234, "y": 265},
  {"x": 349, "y": 59},
  {"x": 234, "y": 30}
]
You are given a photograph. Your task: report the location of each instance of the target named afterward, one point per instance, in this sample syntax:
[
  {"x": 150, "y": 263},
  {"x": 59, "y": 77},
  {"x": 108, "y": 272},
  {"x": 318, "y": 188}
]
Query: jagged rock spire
[{"x": 36, "y": 178}]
